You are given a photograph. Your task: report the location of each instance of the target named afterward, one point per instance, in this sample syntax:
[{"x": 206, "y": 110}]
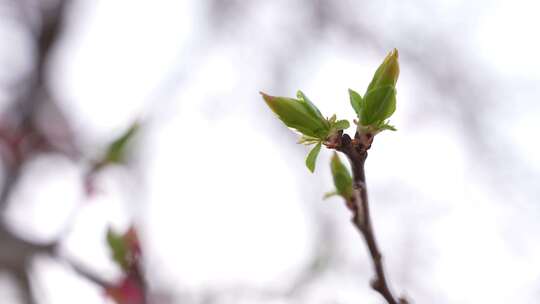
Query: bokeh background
[{"x": 216, "y": 186}]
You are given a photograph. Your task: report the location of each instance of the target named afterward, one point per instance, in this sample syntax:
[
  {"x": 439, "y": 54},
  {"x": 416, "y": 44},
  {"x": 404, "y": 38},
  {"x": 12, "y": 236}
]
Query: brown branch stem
[
  {"x": 84, "y": 272},
  {"x": 356, "y": 152}
]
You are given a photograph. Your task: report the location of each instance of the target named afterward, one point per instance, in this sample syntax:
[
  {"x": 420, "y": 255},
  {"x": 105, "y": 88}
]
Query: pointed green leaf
[
  {"x": 309, "y": 105},
  {"x": 118, "y": 248},
  {"x": 117, "y": 150},
  {"x": 328, "y": 195},
  {"x": 342, "y": 177},
  {"x": 356, "y": 102},
  {"x": 379, "y": 104},
  {"x": 312, "y": 157},
  {"x": 297, "y": 115},
  {"x": 387, "y": 73}
]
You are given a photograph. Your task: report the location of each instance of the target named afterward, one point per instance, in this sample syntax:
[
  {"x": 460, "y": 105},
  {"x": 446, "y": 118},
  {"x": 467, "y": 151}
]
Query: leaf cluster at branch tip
[
  {"x": 379, "y": 101},
  {"x": 303, "y": 116},
  {"x": 372, "y": 110}
]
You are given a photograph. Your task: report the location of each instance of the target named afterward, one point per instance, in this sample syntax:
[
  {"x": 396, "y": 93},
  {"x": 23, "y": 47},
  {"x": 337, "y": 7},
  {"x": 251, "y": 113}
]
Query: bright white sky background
[{"x": 220, "y": 187}]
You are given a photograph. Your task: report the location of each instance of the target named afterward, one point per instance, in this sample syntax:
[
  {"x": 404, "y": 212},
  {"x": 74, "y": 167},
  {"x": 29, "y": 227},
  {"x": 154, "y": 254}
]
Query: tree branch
[
  {"x": 22, "y": 277},
  {"x": 21, "y": 137},
  {"x": 356, "y": 152},
  {"x": 84, "y": 272}
]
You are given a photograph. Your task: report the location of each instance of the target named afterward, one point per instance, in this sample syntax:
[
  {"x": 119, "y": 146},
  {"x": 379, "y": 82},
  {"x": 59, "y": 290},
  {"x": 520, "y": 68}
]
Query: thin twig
[
  {"x": 85, "y": 272},
  {"x": 22, "y": 277},
  {"x": 17, "y": 253},
  {"x": 356, "y": 152}
]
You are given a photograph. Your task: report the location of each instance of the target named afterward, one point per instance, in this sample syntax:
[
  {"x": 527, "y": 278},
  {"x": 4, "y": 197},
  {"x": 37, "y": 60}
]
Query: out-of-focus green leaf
[
  {"x": 342, "y": 177},
  {"x": 311, "y": 159},
  {"x": 117, "y": 150},
  {"x": 356, "y": 102},
  {"x": 379, "y": 104},
  {"x": 306, "y": 140},
  {"x": 328, "y": 195},
  {"x": 298, "y": 115},
  {"x": 118, "y": 248}
]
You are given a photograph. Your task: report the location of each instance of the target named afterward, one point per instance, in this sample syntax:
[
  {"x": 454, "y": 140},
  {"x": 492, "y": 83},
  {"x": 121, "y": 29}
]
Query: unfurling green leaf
[
  {"x": 379, "y": 104},
  {"x": 311, "y": 159},
  {"x": 356, "y": 102},
  {"x": 117, "y": 150},
  {"x": 332, "y": 119},
  {"x": 379, "y": 101},
  {"x": 387, "y": 73},
  {"x": 340, "y": 125},
  {"x": 386, "y": 126},
  {"x": 309, "y": 105},
  {"x": 303, "y": 116},
  {"x": 342, "y": 178},
  {"x": 300, "y": 115},
  {"x": 337, "y": 125}
]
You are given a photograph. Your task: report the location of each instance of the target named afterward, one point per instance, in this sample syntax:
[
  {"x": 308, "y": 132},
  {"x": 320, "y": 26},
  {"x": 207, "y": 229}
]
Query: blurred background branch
[{"x": 23, "y": 137}]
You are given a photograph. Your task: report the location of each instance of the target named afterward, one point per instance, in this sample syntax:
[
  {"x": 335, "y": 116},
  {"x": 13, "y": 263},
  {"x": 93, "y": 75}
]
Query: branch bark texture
[{"x": 356, "y": 151}]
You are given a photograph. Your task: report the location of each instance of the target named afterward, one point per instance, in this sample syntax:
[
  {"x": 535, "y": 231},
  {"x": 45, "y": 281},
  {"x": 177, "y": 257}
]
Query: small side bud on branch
[
  {"x": 126, "y": 253},
  {"x": 342, "y": 178},
  {"x": 125, "y": 248}
]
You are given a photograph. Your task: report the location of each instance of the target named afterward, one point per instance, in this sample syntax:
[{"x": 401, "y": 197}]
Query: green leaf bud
[
  {"x": 340, "y": 125},
  {"x": 300, "y": 115},
  {"x": 342, "y": 178},
  {"x": 388, "y": 72},
  {"x": 379, "y": 104}
]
